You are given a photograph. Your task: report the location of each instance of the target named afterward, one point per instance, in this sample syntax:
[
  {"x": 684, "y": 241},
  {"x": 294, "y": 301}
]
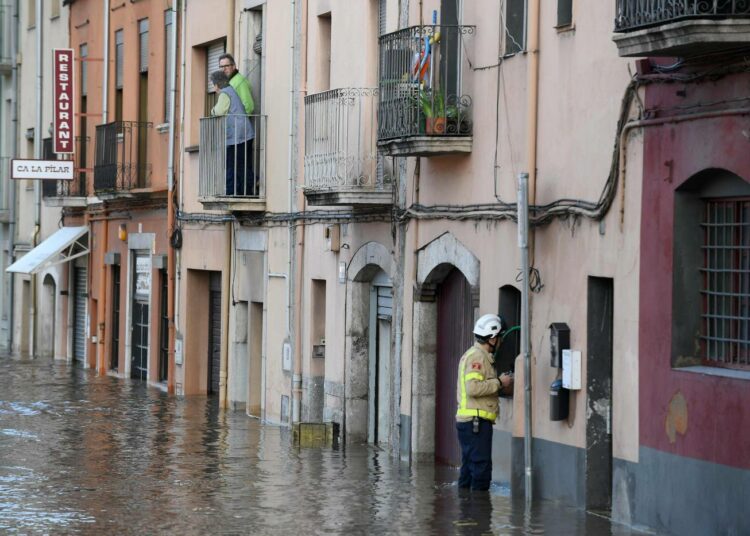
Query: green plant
[{"x": 432, "y": 103}]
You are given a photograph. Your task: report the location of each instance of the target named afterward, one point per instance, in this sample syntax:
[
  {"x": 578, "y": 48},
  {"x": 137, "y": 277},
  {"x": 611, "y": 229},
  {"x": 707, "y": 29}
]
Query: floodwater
[{"x": 81, "y": 454}]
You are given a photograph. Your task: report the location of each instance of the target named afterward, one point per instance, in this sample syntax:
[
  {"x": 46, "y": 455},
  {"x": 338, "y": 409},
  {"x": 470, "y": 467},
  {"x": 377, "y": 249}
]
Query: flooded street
[{"x": 81, "y": 454}]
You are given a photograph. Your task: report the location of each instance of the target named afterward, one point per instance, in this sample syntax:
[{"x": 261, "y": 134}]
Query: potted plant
[{"x": 433, "y": 109}]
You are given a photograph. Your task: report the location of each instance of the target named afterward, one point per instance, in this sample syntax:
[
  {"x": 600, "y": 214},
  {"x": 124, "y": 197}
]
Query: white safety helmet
[{"x": 489, "y": 326}]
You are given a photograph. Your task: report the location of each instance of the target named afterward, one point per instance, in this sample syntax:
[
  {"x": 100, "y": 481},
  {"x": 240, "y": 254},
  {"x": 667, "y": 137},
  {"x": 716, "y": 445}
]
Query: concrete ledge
[{"x": 684, "y": 38}]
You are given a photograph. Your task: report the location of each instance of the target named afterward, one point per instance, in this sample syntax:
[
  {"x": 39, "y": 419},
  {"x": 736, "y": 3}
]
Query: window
[
  {"x": 711, "y": 272},
  {"x": 725, "y": 330},
  {"x": 515, "y": 26},
  {"x": 168, "y": 29},
  {"x": 564, "y": 13},
  {"x": 119, "y": 65},
  {"x": 143, "y": 45}
]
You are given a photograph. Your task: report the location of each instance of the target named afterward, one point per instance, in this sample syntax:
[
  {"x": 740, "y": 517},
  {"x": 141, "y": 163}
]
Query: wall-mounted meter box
[
  {"x": 571, "y": 378},
  {"x": 559, "y": 340}
]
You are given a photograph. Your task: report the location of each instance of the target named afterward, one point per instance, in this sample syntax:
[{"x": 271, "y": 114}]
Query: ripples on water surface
[{"x": 102, "y": 455}]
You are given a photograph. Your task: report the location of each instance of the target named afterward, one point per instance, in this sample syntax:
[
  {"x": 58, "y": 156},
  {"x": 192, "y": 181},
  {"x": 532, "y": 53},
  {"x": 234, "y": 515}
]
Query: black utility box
[
  {"x": 559, "y": 401},
  {"x": 559, "y": 340}
]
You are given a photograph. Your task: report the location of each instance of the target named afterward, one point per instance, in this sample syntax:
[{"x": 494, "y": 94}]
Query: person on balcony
[
  {"x": 240, "y": 179},
  {"x": 237, "y": 81}
]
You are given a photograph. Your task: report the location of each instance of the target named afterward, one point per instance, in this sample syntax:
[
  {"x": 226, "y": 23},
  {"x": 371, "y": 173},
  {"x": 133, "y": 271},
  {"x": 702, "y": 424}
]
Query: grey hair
[{"x": 220, "y": 79}]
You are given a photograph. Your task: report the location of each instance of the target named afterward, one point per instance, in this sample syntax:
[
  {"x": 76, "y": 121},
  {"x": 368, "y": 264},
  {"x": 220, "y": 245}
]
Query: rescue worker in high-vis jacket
[{"x": 477, "y": 390}]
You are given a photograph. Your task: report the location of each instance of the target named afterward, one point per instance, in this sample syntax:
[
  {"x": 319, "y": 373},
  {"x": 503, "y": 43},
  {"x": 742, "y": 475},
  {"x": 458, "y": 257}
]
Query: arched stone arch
[
  {"x": 434, "y": 261},
  {"x": 367, "y": 262}
]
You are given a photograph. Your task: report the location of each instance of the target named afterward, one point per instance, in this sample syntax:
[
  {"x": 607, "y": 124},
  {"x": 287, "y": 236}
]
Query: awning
[{"x": 65, "y": 245}]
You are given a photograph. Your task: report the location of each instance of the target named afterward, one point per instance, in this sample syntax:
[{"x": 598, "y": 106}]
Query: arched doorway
[
  {"x": 455, "y": 316},
  {"x": 47, "y": 318}
]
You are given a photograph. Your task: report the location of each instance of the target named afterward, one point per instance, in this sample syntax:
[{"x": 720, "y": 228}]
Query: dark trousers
[
  {"x": 476, "y": 455},
  {"x": 240, "y": 175}
]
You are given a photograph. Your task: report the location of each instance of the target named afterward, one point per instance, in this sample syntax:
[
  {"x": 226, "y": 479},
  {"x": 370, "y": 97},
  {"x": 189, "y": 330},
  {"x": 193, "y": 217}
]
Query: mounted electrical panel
[
  {"x": 333, "y": 237},
  {"x": 571, "y": 377},
  {"x": 559, "y": 340}
]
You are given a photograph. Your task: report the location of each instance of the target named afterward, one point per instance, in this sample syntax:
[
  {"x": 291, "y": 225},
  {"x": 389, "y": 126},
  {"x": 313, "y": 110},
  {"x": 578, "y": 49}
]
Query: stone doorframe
[
  {"x": 434, "y": 261},
  {"x": 365, "y": 264}
]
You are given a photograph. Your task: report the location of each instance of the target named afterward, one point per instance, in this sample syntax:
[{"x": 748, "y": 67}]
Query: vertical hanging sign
[{"x": 62, "y": 107}]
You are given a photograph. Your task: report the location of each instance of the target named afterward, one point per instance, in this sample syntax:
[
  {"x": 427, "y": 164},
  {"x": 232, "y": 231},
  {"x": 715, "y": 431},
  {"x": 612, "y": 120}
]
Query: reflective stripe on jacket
[{"x": 477, "y": 387}]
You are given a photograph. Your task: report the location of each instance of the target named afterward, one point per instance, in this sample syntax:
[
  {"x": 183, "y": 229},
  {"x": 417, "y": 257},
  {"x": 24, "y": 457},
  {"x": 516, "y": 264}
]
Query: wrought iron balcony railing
[
  {"x": 77, "y": 186},
  {"x": 340, "y": 141},
  {"x": 6, "y": 19},
  {"x": 121, "y": 162},
  {"x": 232, "y": 156},
  {"x": 422, "y": 79},
  {"x": 636, "y": 14}
]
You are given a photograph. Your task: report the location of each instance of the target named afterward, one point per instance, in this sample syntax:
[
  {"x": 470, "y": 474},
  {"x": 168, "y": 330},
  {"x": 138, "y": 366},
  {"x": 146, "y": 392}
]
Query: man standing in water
[{"x": 477, "y": 392}]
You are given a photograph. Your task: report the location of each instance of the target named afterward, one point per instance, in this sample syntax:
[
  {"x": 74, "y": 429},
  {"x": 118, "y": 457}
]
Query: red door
[{"x": 454, "y": 323}]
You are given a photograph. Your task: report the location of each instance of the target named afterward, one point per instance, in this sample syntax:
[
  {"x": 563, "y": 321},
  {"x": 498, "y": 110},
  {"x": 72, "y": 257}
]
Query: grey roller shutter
[
  {"x": 385, "y": 302},
  {"x": 143, "y": 45},
  {"x": 212, "y": 63},
  {"x": 84, "y": 53},
  {"x": 79, "y": 321},
  {"x": 381, "y": 16},
  {"x": 168, "y": 29},
  {"x": 119, "y": 58}
]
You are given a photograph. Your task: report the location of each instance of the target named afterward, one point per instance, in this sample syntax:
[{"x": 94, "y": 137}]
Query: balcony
[
  {"x": 70, "y": 193},
  {"x": 121, "y": 163},
  {"x": 423, "y": 108},
  {"x": 341, "y": 155},
  {"x": 680, "y": 27},
  {"x": 230, "y": 178},
  {"x": 6, "y": 20}
]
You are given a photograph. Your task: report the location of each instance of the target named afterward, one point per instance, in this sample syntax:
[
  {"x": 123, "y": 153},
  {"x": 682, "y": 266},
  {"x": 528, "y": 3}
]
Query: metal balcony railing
[
  {"x": 6, "y": 20},
  {"x": 637, "y": 14},
  {"x": 121, "y": 161},
  {"x": 422, "y": 79},
  {"x": 77, "y": 186},
  {"x": 232, "y": 161},
  {"x": 340, "y": 140}
]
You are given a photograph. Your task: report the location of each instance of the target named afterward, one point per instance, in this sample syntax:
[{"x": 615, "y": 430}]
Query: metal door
[
  {"x": 163, "y": 329},
  {"x": 379, "y": 366},
  {"x": 454, "y": 324},
  {"x": 80, "y": 296},
  {"x": 214, "y": 332},
  {"x": 114, "y": 359},
  {"x": 140, "y": 319},
  {"x": 139, "y": 358}
]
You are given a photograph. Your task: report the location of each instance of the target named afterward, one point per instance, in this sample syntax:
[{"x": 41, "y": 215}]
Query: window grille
[{"x": 725, "y": 337}]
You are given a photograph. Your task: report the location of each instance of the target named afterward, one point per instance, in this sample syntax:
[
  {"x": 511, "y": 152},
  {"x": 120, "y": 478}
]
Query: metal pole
[
  {"x": 38, "y": 155},
  {"x": 13, "y": 184},
  {"x": 105, "y": 63},
  {"x": 523, "y": 244}
]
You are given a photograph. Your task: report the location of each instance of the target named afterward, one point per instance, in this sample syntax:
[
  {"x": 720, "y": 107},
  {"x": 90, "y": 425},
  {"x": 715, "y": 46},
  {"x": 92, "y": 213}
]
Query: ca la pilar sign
[{"x": 62, "y": 106}]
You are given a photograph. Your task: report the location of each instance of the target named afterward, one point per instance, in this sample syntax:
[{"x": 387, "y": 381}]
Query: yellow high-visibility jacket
[{"x": 477, "y": 387}]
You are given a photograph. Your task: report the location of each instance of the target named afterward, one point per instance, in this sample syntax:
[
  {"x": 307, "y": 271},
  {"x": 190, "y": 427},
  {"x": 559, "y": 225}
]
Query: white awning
[{"x": 65, "y": 245}]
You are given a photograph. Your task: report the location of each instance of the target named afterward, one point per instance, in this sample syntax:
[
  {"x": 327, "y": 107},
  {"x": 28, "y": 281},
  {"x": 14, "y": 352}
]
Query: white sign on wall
[
  {"x": 142, "y": 276},
  {"x": 42, "y": 169}
]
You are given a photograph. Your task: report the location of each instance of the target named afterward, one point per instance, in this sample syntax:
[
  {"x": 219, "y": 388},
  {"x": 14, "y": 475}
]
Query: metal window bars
[
  {"x": 121, "y": 159},
  {"x": 422, "y": 79},
  {"x": 637, "y": 14},
  {"x": 232, "y": 156},
  {"x": 725, "y": 332},
  {"x": 77, "y": 186},
  {"x": 340, "y": 141}
]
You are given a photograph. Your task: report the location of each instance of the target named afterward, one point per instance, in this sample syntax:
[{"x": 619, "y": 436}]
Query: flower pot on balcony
[{"x": 434, "y": 125}]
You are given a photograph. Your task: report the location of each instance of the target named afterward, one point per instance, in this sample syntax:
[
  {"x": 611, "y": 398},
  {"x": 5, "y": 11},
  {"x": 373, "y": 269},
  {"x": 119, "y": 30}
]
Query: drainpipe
[
  {"x": 105, "y": 63},
  {"x": 13, "y": 184},
  {"x": 532, "y": 124},
  {"x": 170, "y": 205},
  {"x": 523, "y": 244},
  {"x": 38, "y": 155}
]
